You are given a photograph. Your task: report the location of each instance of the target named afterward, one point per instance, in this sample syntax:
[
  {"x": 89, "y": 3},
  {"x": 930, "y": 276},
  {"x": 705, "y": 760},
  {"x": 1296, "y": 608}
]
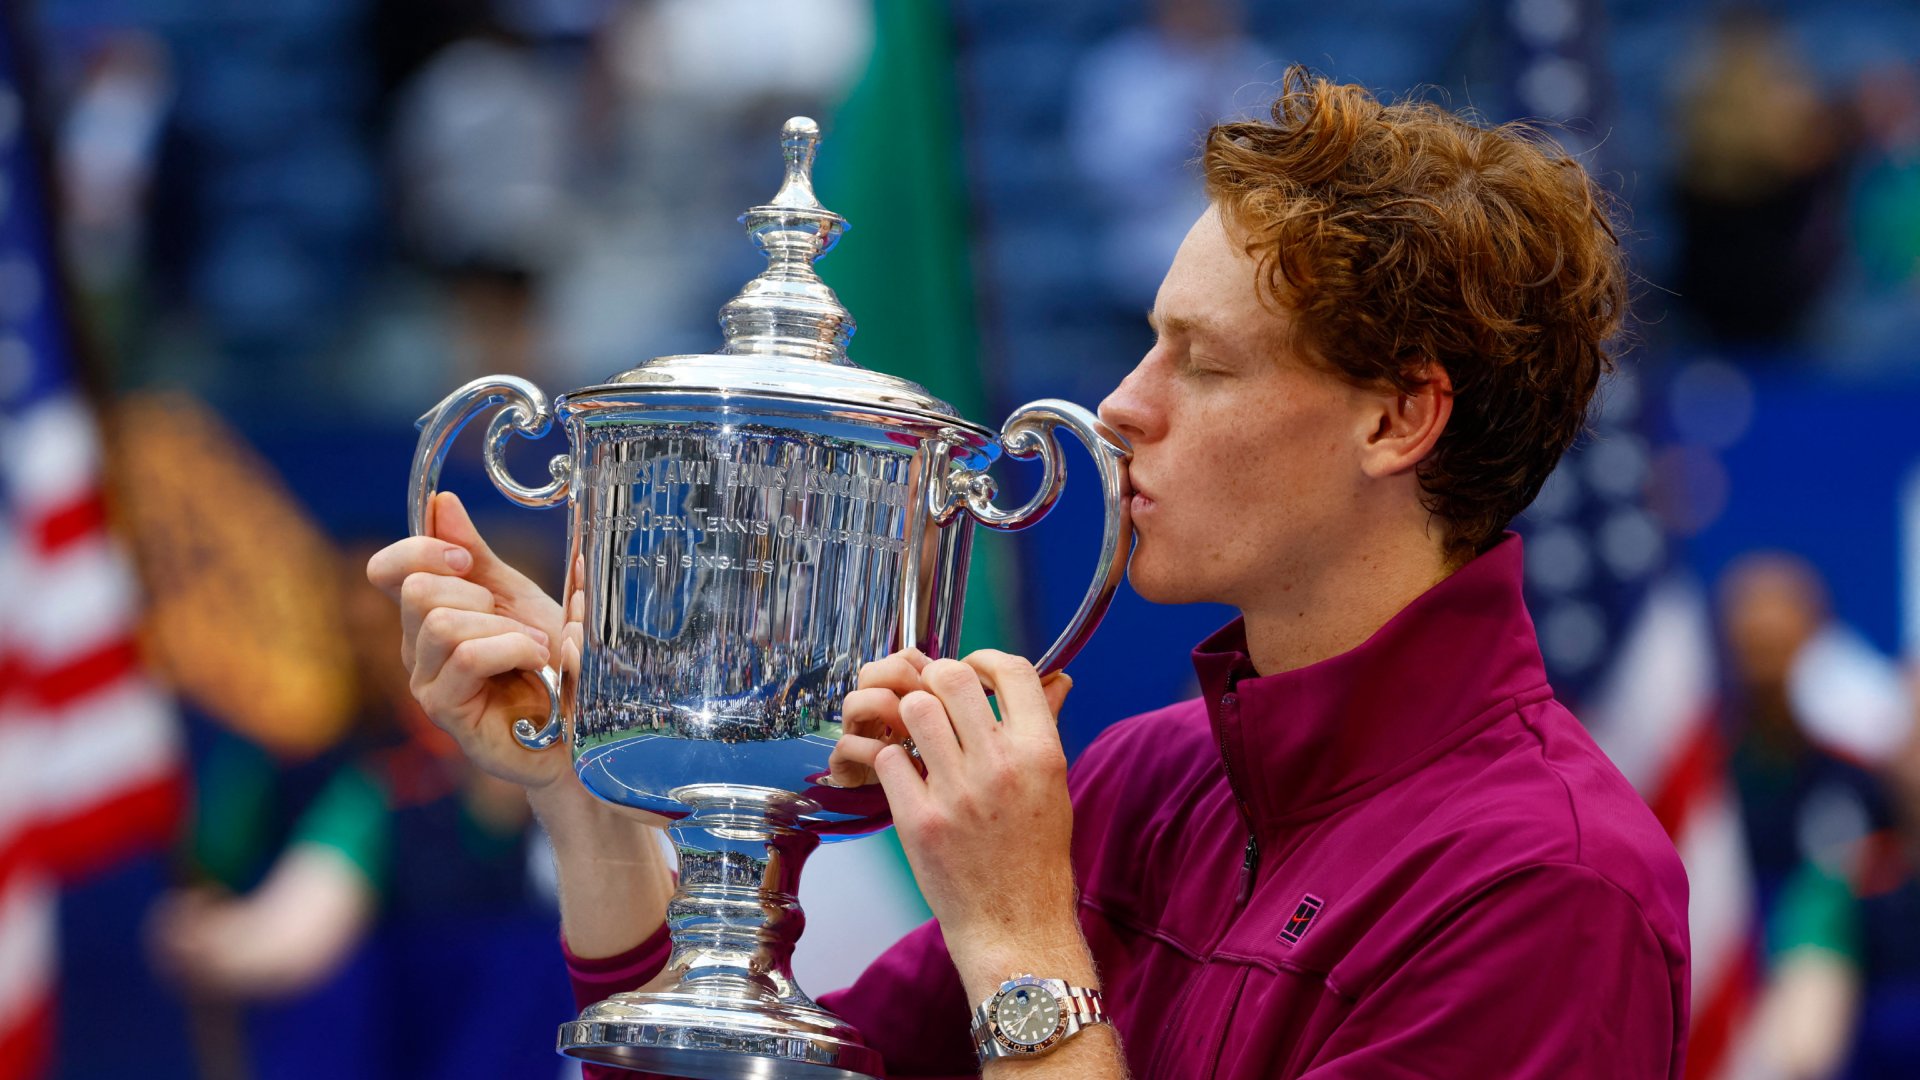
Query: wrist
[
  {"x": 615, "y": 875},
  {"x": 575, "y": 820},
  {"x": 1052, "y": 952}
]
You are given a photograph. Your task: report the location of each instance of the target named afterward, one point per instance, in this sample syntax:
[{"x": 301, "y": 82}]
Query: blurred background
[{"x": 243, "y": 246}]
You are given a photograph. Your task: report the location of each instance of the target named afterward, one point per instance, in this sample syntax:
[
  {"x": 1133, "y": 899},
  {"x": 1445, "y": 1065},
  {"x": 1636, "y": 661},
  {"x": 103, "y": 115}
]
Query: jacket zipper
[
  {"x": 1250, "y": 856},
  {"x": 1249, "y": 867}
]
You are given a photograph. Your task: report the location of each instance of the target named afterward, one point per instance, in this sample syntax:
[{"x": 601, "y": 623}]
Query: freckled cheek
[
  {"x": 1258, "y": 490},
  {"x": 1221, "y": 459}
]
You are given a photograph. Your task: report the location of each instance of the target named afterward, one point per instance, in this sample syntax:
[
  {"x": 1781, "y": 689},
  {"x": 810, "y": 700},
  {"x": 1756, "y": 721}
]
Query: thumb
[
  {"x": 448, "y": 520},
  {"x": 1056, "y": 686}
]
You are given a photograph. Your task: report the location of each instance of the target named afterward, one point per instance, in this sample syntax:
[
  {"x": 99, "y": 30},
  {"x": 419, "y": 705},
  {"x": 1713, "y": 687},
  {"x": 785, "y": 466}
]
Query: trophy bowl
[{"x": 747, "y": 528}]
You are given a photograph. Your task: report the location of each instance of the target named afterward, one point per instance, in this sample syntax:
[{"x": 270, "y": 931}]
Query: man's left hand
[{"x": 984, "y": 816}]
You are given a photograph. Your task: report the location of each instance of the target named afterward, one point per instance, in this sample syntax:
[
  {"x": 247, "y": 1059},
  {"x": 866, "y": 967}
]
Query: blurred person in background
[
  {"x": 1811, "y": 708},
  {"x": 682, "y": 94},
  {"x": 1886, "y": 220},
  {"x": 484, "y": 138},
  {"x": 1888, "y": 1041},
  {"x": 1874, "y": 317},
  {"x": 400, "y": 871},
  {"x": 107, "y": 152},
  {"x": 338, "y": 848},
  {"x": 1138, "y": 106},
  {"x": 1758, "y": 192},
  {"x": 1817, "y": 720}
]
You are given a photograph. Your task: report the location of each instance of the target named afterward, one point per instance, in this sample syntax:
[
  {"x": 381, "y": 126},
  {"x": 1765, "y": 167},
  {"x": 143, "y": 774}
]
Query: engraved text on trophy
[{"x": 737, "y": 579}]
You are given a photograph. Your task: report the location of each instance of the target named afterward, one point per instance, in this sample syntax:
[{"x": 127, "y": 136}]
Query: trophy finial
[
  {"x": 799, "y": 142},
  {"x": 788, "y": 310}
]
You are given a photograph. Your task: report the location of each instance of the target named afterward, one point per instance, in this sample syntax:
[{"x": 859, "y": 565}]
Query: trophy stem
[
  {"x": 737, "y": 914},
  {"x": 727, "y": 1006}
]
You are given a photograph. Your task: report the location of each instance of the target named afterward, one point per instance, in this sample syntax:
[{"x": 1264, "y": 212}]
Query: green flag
[{"x": 893, "y": 166}]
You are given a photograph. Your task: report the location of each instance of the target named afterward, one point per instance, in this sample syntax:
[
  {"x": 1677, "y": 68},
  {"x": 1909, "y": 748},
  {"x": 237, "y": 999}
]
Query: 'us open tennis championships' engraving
[{"x": 854, "y": 505}]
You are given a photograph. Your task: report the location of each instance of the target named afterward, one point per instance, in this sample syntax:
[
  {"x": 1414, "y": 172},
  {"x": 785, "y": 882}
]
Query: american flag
[
  {"x": 90, "y": 753},
  {"x": 1627, "y": 636},
  {"x": 1629, "y": 640}
]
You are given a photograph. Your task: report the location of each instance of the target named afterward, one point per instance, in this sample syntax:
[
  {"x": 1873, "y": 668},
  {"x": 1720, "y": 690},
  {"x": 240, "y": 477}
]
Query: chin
[{"x": 1164, "y": 584}]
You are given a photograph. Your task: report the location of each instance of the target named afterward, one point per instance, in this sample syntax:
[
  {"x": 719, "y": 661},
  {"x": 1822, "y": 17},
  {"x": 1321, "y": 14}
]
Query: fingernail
[
  {"x": 538, "y": 635},
  {"x": 459, "y": 559}
]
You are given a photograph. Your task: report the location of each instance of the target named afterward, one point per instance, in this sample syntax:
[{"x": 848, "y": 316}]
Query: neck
[{"x": 1314, "y": 615}]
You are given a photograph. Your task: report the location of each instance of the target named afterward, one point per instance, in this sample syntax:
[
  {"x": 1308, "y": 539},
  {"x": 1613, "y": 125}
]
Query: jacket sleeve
[
  {"x": 597, "y": 980},
  {"x": 908, "y": 1004},
  {"x": 1551, "y": 972}
]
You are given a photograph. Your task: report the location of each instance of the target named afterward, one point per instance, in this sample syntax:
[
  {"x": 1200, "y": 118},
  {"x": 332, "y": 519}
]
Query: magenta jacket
[{"x": 1408, "y": 860}]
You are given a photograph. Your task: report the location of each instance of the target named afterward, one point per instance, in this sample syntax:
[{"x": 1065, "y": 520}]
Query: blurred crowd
[
  {"x": 1796, "y": 203},
  {"x": 293, "y": 226},
  {"x": 362, "y": 203}
]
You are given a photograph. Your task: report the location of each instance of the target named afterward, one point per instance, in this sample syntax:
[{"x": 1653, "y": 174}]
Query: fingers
[
  {"x": 858, "y": 749},
  {"x": 873, "y": 712},
  {"x": 958, "y": 686},
  {"x": 906, "y": 789},
  {"x": 469, "y": 669},
  {"x": 931, "y": 732},
  {"x": 446, "y": 633},
  {"x": 390, "y": 567},
  {"x": 1026, "y": 705},
  {"x": 1056, "y": 687},
  {"x": 898, "y": 672},
  {"x": 869, "y": 720},
  {"x": 423, "y": 593},
  {"x": 851, "y": 763},
  {"x": 448, "y": 520}
]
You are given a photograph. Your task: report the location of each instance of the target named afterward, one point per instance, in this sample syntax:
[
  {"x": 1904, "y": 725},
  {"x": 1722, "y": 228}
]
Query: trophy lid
[{"x": 786, "y": 332}]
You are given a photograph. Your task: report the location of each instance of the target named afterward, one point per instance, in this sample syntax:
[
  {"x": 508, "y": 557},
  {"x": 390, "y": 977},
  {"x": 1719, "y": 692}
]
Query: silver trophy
[{"x": 747, "y": 529}]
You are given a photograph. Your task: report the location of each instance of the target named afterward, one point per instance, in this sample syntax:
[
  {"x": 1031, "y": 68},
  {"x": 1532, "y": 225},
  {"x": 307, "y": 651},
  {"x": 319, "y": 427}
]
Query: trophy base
[{"x": 704, "y": 1037}]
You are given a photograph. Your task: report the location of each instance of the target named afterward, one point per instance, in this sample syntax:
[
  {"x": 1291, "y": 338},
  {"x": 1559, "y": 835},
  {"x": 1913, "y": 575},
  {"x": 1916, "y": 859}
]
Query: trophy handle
[
  {"x": 1029, "y": 432},
  {"x": 528, "y": 414}
]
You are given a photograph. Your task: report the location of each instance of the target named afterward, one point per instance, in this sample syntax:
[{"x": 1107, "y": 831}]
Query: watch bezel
[{"x": 1006, "y": 1042}]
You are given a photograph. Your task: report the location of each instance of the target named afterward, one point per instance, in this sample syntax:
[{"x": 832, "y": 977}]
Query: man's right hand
[{"x": 475, "y": 633}]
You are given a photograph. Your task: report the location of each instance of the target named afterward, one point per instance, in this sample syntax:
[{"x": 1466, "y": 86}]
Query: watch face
[{"x": 1027, "y": 1017}]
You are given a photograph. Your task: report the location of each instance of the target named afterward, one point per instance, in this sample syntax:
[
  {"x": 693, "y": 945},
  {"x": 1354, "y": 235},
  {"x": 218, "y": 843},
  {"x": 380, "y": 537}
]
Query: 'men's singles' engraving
[{"x": 675, "y": 494}]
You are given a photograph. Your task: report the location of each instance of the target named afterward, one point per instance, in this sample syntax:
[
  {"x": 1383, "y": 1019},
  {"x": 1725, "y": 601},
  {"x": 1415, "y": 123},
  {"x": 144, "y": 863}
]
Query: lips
[{"x": 1141, "y": 500}]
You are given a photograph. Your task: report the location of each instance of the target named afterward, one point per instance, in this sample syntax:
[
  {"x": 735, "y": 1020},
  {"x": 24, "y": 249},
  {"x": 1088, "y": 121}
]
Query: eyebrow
[{"x": 1179, "y": 324}]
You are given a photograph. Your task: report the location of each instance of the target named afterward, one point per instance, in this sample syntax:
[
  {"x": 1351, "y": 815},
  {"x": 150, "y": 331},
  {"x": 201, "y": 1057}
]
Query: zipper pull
[{"x": 1249, "y": 868}]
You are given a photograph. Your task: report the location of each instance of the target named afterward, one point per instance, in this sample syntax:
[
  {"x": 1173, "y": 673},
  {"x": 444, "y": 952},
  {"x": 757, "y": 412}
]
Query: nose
[{"x": 1130, "y": 409}]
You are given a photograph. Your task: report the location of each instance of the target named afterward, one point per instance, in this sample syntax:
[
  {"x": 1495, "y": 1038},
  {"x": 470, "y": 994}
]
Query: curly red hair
[{"x": 1401, "y": 234}]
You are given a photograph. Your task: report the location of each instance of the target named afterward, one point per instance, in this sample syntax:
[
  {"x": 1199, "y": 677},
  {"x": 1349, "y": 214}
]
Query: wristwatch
[{"x": 1029, "y": 1016}]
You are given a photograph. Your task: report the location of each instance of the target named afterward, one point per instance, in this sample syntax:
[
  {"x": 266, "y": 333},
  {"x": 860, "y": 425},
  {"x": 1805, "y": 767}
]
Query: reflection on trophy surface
[{"x": 747, "y": 529}]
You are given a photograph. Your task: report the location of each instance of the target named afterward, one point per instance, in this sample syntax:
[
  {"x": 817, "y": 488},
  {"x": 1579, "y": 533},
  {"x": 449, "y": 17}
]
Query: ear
[{"x": 1404, "y": 427}]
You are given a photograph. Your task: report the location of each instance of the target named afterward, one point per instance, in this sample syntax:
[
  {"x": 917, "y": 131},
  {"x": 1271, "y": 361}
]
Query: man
[{"x": 1376, "y": 846}]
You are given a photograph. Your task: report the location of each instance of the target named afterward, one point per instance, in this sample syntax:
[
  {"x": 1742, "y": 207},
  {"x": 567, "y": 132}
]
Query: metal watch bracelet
[{"x": 1081, "y": 1007}]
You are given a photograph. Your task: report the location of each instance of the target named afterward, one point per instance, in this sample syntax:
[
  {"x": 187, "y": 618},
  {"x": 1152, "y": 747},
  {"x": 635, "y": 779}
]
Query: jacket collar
[{"x": 1300, "y": 744}]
